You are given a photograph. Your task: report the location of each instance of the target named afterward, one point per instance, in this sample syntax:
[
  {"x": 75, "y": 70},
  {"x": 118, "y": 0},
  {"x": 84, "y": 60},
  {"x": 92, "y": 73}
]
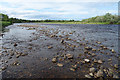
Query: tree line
[{"x": 108, "y": 18}]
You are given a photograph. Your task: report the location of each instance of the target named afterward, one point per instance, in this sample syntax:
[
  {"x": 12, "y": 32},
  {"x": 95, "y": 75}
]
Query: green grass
[
  {"x": 3, "y": 24},
  {"x": 75, "y": 22}
]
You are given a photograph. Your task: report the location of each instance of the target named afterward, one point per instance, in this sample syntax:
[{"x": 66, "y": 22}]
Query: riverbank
[
  {"x": 75, "y": 22},
  {"x": 3, "y": 24}
]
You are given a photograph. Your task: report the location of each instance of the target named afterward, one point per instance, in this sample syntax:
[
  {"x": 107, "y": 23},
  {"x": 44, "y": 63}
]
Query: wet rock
[
  {"x": 87, "y": 60},
  {"x": 100, "y": 61},
  {"x": 113, "y": 51},
  {"x": 115, "y": 76},
  {"x": 3, "y": 68},
  {"x": 88, "y": 48},
  {"x": 74, "y": 66},
  {"x": 54, "y": 60},
  {"x": 6, "y": 61},
  {"x": 105, "y": 47},
  {"x": 59, "y": 64},
  {"x": 98, "y": 42},
  {"x": 91, "y": 74},
  {"x": 93, "y": 54},
  {"x": 92, "y": 69},
  {"x": 116, "y": 65},
  {"x": 72, "y": 69},
  {"x": 99, "y": 73},
  {"x": 49, "y": 47},
  {"x": 18, "y": 55},
  {"x": 15, "y": 44},
  {"x": 62, "y": 41},
  {"x": 16, "y": 63},
  {"x": 93, "y": 49},
  {"x": 10, "y": 57},
  {"x": 69, "y": 56},
  {"x": 110, "y": 72},
  {"x": 11, "y": 54},
  {"x": 24, "y": 54},
  {"x": 87, "y": 76}
]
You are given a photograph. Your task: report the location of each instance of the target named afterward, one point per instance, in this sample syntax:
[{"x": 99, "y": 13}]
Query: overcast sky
[{"x": 57, "y": 9}]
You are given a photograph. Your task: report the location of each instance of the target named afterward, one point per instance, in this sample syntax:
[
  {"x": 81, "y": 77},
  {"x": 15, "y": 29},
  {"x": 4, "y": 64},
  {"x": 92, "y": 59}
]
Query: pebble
[
  {"x": 116, "y": 66},
  {"x": 72, "y": 69},
  {"x": 60, "y": 65},
  {"x": 100, "y": 61},
  {"x": 113, "y": 51},
  {"x": 92, "y": 69},
  {"x": 88, "y": 48},
  {"x": 15, "y": 44},
  {"x": 86, "y": 60},
  {"x": 69, "y": 56},
  {"x": 115, "y": 76},
  {"x": 91, "y": 74},
  {"x": 49, "y": 47},
  {"x": 54, "y": 60},
  {"x": 74, "y": 66},
  {"x": 3, "y": 68},
  {"x": 87, "y": 76},
  {"x": 99, "y": 73}
]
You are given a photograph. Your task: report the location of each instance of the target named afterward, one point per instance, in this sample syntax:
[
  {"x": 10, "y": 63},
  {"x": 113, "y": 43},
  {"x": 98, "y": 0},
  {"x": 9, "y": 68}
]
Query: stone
[
  {"x": 86, "y": 60},
  {"x": 60, "y": 65},
  {"x": 49, "y": 47},
  {"x": 91, "y": 74},
  {"x": 10, "y": 57},
  {"x": 87, "y": 76},
  {"x": 115, "y": 76},
  {"x": 93, "y": 54},
  {"x": 116, "y": 65},
  {"x": 72, "y": 69},
  {"x": 99, "y": 73},
  {"x": 92, "y": 69},
  {"x": 24, "y": 54},
  {"x": 3, "y": 68},
  {"x": 88, "y": 48},
  {"x": 54, "y": 60},
  {"x": 15, "y": 44},
  {"x": 69, "y": 56},
  {"x": 100, "y": 61},
  {"x": 62, "y": 41},
  {"x": 74, "y": 66},
  {"x": 113, "y": 51}
]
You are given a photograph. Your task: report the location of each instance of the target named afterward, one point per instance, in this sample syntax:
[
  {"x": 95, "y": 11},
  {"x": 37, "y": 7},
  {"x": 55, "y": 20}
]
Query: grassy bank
[
  {"x": 4, "y": 24},
  {"x": 75, "y": 22}
]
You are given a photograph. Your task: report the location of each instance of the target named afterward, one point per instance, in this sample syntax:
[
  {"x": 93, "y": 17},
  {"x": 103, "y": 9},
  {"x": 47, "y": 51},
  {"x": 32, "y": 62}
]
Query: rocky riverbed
[{"x": 33, "y": 50}]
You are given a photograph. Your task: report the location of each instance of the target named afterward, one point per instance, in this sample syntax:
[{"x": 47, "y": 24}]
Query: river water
[{"x": 34, "y": 39}]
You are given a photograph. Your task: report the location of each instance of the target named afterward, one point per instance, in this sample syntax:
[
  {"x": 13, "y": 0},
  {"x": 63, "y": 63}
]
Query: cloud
[{"x": 57, "y": 9}]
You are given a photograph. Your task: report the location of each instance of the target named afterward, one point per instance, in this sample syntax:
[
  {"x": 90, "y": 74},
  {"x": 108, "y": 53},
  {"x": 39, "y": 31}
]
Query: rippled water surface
[{"x": 36, "y": 61}]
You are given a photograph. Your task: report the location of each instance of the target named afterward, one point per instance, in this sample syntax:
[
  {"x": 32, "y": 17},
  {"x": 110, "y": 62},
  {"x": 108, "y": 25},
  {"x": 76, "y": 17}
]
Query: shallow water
[{"x": 35, "y": 42}]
